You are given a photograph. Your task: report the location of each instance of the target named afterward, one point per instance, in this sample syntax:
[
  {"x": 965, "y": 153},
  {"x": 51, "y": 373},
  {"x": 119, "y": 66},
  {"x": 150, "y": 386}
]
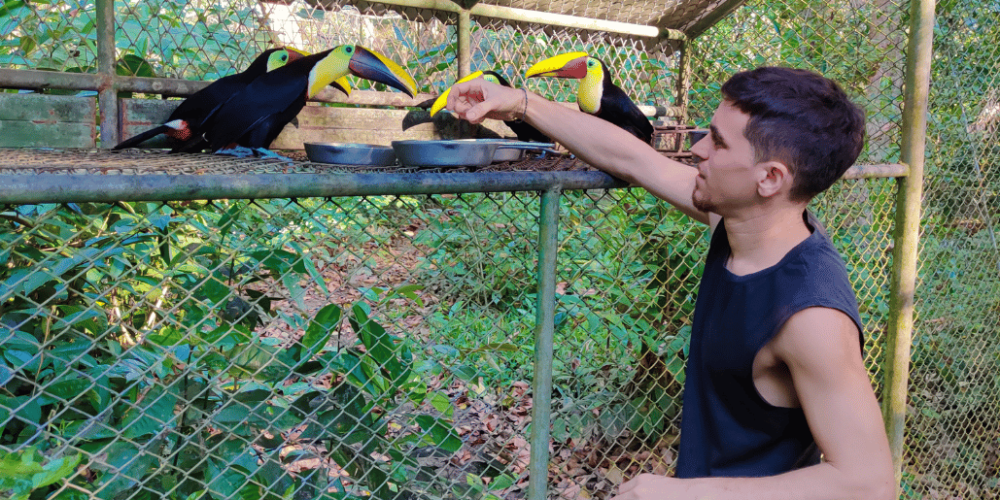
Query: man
[{"x": 775, "y": 373}]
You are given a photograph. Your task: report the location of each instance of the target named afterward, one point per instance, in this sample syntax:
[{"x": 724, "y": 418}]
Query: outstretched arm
[{"x": 592, "y": 139}]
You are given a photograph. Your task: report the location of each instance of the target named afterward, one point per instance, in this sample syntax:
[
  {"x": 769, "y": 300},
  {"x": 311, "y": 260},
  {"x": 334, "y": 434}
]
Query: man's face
[{"x": 726, "y": 173}]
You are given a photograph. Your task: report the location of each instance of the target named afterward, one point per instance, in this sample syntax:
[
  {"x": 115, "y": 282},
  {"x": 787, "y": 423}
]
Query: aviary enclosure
[{"x": 196, "y": 326}]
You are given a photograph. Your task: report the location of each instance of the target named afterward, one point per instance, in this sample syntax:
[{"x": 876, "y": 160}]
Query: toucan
[
  {"x": 188, "y": 119},
  {"x": 523, "y": 131},
  {"x": 598, "y": 95},
  {"x": 254, "y": 117}
]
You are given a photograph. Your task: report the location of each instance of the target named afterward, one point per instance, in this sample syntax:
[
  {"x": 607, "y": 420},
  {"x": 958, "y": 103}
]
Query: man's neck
[{"x": 760, "y": 240}]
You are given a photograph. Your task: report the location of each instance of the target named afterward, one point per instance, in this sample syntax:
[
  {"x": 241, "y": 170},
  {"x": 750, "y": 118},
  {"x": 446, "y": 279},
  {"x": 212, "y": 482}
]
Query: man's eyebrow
[{"x": 717, "y": 137}]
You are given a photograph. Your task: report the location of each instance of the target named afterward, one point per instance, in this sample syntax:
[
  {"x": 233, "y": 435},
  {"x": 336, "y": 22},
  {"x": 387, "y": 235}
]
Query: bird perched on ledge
[
  {"x": 254, "y": 117},
  {"x": 523, "y": 131},
  {"x": 597, "y": 95},
  {"x": 188, "y": 119}
]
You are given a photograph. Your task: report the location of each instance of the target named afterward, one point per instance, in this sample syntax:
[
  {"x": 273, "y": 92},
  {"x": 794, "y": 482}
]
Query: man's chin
[{"x": 701, "y": 204}]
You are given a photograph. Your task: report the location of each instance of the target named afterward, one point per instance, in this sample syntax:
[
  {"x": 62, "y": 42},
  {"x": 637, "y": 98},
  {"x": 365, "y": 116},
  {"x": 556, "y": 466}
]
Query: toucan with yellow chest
[
  {"x": 254, "y": 117},
  {"x": 597, "y": 95},
  {"x": 523, "y": 131},
  {"x": 189, "y": 117}
]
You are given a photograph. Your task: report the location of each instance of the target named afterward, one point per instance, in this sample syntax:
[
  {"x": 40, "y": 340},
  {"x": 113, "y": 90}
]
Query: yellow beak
[
  {"x": 568, "y": 65},
  {"x": 442, "y": 99},
  {"x": 342, "y": 84}
]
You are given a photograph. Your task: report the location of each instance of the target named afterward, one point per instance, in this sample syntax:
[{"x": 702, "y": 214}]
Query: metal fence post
[
  {"x": 541, "y": 390},
  {"x": 904, "y": 258},
  {"x": 107, "y": 94}
]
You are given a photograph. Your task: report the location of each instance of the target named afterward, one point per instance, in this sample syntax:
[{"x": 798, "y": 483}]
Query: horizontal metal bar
[
  {"x": 544, "y": 18},
  {"x": 884, "y": 170},
  {"x": 38, "y": 80},
  {"x": 35, "y": 80},
  {"x": 59, "y": 188}
]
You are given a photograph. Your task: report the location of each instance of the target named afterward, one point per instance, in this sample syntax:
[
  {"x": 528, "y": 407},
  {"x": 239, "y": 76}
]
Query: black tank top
[{"x": 727, "y": 428}]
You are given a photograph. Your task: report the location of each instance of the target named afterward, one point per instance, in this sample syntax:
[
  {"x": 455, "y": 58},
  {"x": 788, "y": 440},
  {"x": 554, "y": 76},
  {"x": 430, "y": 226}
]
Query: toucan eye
[{"x": 350, "y": 49}]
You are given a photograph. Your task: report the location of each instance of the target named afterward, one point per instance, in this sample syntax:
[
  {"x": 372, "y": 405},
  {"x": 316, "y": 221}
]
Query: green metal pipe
[
  {"x": 543, "y": 18},
  {"x": 904, "y": 259},
  {"x": 107, "y": 94},
  {"x": 683, "y": 82},
  {"x": 541, "y": 390},
  {"x": 464, "y": 43},
  {"x": 66, "y": 188}
]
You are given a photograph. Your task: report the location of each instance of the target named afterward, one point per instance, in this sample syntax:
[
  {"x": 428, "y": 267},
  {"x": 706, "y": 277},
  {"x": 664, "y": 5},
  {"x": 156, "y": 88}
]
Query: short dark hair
[{"x": 801, "y": 119}]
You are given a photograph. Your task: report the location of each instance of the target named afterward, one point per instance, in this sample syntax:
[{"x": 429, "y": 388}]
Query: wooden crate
[{"x": 36, "y": 120}]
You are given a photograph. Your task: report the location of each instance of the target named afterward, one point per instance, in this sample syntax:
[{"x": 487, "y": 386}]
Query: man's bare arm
[
  {"x": 820, "y": 347},
  {"x": 596, "y": 141}
]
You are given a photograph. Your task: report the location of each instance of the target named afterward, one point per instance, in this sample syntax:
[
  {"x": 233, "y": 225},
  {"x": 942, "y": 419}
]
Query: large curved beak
[
  {"x": 442, "y": 99},
  {"x": 568, "y": 65},
  {"x": 373, "y": 66},
  {"x": 294, "y": 53}
]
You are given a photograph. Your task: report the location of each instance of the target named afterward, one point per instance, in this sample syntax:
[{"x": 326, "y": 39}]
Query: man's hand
[
  {"x": 654, "y": 487},
  {"x": 477, "y": 100}
]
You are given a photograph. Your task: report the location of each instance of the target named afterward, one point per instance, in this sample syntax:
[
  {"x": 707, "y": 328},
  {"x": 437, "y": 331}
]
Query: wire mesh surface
[
  {"x": 151, "y": 162},
  {"x": 953, "y": 428},
  {"x": 167, "y": 346},
  {"x": 370, "y": 345}
]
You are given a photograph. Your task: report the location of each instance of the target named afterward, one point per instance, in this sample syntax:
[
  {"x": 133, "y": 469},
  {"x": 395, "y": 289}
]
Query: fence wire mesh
[
  {"x": 381, "y": 346},
  {"x": 953, "y": 430},
  {"x": 372, "y": 346}
]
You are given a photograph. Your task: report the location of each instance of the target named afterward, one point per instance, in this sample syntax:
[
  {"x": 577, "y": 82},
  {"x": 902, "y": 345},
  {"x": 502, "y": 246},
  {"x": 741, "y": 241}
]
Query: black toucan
[
  {"x": 188, "y": 119},
  {"x": 598, "y": 95},
  {"x": 254, "y": 117},
  {"x": 523, "y": 131}
]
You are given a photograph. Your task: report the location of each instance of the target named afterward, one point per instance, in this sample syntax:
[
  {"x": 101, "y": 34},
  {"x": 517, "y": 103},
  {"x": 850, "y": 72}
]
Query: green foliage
[
  {"x": 172, "y": 404},
  {"x": 28, "y": 470}
]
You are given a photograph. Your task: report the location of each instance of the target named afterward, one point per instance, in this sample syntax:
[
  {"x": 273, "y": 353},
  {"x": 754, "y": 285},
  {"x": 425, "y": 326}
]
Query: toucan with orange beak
[
  {"x": 254, "y": 117},
  {"x": 597, "y": 95}
]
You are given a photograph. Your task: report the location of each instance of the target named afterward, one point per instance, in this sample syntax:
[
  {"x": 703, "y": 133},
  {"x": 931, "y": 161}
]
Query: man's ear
[{"x": 772, "y": 178}]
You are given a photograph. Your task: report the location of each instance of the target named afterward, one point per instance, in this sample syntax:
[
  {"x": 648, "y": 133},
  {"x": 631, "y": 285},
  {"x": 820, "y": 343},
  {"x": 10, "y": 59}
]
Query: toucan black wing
[
  {"x": 250, "y": 116},
  {"x": 618, "y": 108},
  {"x": 190, "y": 116},
  {"x": 525, "y": 132}
]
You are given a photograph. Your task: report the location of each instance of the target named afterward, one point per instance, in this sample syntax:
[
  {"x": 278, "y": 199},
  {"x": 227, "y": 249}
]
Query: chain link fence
[
  {"x": 953, "y": 431},
  {"x": 382, "y": 346}
]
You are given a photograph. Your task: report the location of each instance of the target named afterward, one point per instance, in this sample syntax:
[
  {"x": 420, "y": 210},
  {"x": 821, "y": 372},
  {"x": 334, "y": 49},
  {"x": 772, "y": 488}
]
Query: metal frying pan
[{"x": 473, "y": 153}]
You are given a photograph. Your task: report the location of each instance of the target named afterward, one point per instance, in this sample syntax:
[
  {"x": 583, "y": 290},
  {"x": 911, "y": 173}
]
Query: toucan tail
[{"x": 143, "y": 137}]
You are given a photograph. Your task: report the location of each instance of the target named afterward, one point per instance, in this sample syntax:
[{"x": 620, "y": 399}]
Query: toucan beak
[
  {"x": 294, "y": 53},
  {"x": 568, "y": 65},
  {"x": 373, "y": 66},
  {"x": 342, "y": 84},
  {"x": 442, "y": 99}
]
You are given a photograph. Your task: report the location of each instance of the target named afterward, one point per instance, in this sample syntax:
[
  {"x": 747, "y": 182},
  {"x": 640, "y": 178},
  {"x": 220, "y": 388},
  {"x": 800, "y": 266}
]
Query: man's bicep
[{"x": 820, "y": 347}]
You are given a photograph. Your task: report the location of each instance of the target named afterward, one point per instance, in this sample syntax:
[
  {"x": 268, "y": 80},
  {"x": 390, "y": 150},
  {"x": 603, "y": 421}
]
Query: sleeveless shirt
[{"x": 727, "y": 428}]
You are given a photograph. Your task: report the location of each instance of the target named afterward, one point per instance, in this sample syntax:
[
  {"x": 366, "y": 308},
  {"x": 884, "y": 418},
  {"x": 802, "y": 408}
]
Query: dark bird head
[{"x": 272, "y": 59}]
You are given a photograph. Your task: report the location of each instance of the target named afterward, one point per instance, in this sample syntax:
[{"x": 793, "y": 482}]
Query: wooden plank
[
  {"x": 25, "y": 134},
  {"x": 318, "y": 124},
  {"x": 32, "y": 120},
  {"x": 139, "y": 115}
]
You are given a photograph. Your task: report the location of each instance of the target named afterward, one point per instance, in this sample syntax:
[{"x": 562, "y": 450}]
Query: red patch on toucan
[{"x": 181, "y": 133}]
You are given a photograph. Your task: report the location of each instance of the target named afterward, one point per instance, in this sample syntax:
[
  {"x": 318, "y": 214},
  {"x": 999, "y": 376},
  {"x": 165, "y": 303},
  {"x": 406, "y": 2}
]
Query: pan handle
[{"x": 546, "y": 147}]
